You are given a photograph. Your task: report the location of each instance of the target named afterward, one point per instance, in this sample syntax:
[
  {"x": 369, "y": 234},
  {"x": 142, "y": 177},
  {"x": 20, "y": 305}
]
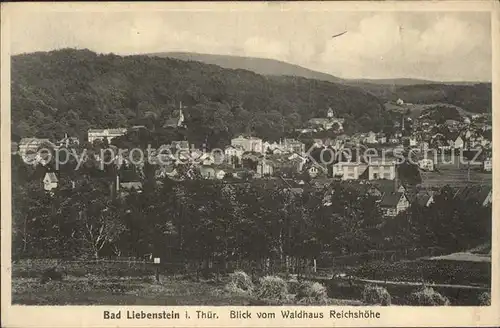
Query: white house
[
  {"x": 371, "y": 138},
  {"x": 264, "y": 168},
  {"x": 394, "y": 203},
  {"x": 382, "y": 170},
  {"x": 50, "y": 181},
  {"x": 265, "y": 146},
  {"x": 347, "y": 170},
  {"x": 31, "y": 145},
  {"x": 458, "y": 143},
  {"x": 233, "y": 151},
  {"x": 426, "y": 164},
  {"x": 413, "y": 142},
  {"x": 294, "y": 146},
  {"x": 211, "y": 172},
  {"x": 487, "y": 165},
  {"x": 109, "y": 134},
  {"x": 381, "y": 138},
  {"x": 251, "y": 144},
  {"x": 313, "y": 171}
]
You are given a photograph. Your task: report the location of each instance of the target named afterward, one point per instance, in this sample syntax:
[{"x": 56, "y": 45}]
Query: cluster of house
[
  {"x": 394, "y": 198},
  {"x": 330, "y": 122},
  {"x": 250, "y": 156}
]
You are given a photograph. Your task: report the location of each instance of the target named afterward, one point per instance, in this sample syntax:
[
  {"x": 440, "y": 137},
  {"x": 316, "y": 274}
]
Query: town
[{"x": 463, "y": 143}]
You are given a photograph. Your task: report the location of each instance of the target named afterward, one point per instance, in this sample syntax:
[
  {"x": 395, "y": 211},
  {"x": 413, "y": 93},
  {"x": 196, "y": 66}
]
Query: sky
[{"x": 440, "y": 46}]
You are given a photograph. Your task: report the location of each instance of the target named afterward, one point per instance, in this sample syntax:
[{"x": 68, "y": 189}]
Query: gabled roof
[
  {"x": 51, "y": 176},
  {"x": 235, "y": 147},
  {"x": 422, "y": 198},
  {"x": 477, "y": 193},
  {"x": 391, "y": 199},
  {"x": 131, "y": 185},
  {"x": 35, "y": 141},
  {"x": 386, "y": 186},
  {"x": 184, "y": 144},
  {"x": 361, "y": 188}
]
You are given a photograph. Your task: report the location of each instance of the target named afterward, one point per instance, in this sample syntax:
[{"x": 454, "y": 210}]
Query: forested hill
[
  {"x": 257, "y": 65},
  {"x": 476, "y": 98},
  {"x": 74, "y": 90},
  {"x": 472, "y": 96}
]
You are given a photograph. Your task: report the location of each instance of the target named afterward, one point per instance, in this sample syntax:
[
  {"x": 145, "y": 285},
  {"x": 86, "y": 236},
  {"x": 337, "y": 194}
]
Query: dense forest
[
  {"x": 474, "y": 98},
  {"x": 200, "y": 220},
  {"x": 70, "y": 91}
]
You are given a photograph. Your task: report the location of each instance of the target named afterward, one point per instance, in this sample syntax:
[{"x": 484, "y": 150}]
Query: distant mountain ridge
[
  {"x": 266, "y": 66},
  {"x": 262, "y": 66}
]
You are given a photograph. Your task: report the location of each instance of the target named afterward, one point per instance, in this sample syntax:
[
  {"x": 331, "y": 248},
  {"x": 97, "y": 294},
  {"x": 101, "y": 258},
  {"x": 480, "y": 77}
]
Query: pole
[{"x": 156, "y": 262}]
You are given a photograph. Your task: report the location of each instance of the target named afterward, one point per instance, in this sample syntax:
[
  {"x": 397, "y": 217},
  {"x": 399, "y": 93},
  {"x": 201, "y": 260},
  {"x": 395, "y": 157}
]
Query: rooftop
[
  {"x": 51, "y": 176},
  {"x": 390, "y": 199}
]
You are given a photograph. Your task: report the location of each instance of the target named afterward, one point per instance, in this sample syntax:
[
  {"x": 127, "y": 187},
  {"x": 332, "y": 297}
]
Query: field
[
  {"x": 122, "y": 286},
  {"x": 109, "y": 285},
  {"x": 455, "y": 177},
  {"x": 450, "y": 171},
  {"x": 100, "y": 290}
]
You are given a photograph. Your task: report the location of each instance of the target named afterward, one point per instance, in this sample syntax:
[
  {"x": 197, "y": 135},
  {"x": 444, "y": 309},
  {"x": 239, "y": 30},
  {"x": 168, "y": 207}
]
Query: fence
[{"x": 326, "y": 264}]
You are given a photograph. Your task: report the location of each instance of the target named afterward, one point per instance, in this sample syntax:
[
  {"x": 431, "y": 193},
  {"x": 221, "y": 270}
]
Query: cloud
[
  {"x": 402, "y": 49},
  {"x": 377, "y": 45}
]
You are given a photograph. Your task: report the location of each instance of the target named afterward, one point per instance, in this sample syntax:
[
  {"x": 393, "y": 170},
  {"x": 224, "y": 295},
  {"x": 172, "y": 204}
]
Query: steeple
[{"x": 181, "y": 115}]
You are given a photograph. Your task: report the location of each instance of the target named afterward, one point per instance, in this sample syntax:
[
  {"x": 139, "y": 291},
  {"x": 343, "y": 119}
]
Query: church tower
[
  {"x": 330, "y": 113},
  {"x": 181, "y": 116}
]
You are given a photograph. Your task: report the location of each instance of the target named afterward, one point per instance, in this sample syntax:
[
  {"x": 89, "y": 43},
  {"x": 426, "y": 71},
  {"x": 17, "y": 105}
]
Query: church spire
[{"x": 181, "y": 115}]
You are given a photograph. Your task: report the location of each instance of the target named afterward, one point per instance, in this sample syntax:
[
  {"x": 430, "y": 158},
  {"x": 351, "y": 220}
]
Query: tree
[{"x": 100, "y": 226}]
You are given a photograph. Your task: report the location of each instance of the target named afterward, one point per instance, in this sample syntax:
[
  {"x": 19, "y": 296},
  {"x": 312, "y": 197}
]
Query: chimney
[{"x": 117, "y": 182}]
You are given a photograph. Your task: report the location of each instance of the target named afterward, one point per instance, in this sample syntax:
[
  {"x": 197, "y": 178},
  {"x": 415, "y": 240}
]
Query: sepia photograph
[{"x": 258, "y": 157}]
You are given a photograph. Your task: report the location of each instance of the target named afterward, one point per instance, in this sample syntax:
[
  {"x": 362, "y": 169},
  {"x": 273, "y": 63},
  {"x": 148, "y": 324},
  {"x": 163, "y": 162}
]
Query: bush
[
  {"x": 51, "y": 274},
  {"x": 485, "y": 299},
  {"x": 272, "y": 288},
  {"x": 428, "y": 297},
  {"x": 376, "y": 295},
  {"x": 293, "y": 286},
  {"x": 309, "y": 292},
  {"x": 241, "y": 280}
]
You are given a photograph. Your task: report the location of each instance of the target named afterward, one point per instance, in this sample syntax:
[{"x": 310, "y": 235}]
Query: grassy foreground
[{"x": 98, "y": 290}]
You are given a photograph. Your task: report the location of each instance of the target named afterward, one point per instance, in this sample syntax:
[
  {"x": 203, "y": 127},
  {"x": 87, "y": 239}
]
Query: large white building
[
  {"x": 27, "y": 145},
  {"x": 381, "y": 170},
  {"x": 347, "y": 170},
  {"x": 100, "y": 134},
  {"x": 252, "y": 144}
]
